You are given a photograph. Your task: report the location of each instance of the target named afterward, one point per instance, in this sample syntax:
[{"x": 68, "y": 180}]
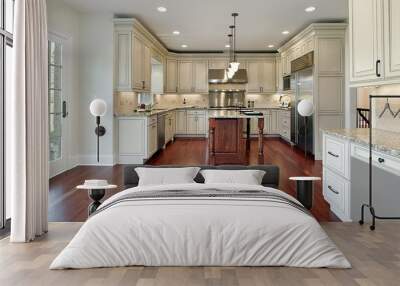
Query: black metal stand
[
  {"x": 100, "y": 131},
  {"x": 370, "y": 201},
  {"x": 305, "y": 193},
  {"x": 96, "y": 195}
]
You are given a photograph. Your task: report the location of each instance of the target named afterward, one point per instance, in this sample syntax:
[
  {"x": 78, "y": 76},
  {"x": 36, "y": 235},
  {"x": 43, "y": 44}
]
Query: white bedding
[{"x": 193, "y": 231}]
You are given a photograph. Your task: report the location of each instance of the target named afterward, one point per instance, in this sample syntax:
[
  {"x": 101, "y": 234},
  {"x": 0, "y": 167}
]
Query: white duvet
[{"x": 212, "y": 231}]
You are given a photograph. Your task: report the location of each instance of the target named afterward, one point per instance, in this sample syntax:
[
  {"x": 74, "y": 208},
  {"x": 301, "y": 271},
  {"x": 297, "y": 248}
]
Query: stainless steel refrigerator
[{"x": 302, "y": 131}]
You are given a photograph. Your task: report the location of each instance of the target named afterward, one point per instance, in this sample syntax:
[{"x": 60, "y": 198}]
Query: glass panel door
[{"x": 57, "y": 109}]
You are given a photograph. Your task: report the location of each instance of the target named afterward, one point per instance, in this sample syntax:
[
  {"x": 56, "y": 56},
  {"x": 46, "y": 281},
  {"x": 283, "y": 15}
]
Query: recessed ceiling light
[
  {"x": 176, "y": 32},
  {"x": 227, "y": 46},
  {"x": 310, "y": 9},
  {"x": 271, "y": 46},
  {"x": 184, "y": 46},
  {"x": 285, "y": 32},
  {"x": 161, "y": 9}
]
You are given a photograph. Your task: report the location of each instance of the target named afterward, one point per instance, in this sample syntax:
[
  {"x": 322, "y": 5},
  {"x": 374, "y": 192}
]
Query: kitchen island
[{"x": 227, "y": 145}]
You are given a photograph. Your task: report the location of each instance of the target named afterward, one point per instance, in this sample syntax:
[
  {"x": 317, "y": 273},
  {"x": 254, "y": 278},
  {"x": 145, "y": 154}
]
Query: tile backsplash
[
  {"x": 386, "y": 122},
  {"x": 126, "y": 102}
]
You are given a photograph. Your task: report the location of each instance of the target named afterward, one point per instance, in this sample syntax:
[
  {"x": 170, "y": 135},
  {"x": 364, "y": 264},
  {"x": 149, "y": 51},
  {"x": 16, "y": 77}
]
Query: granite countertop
[
  {"x": 382, "y": 140},
  {"x": 230, "y": 114},
  {"x": 158, "y": 111},
  {"x": 220, "y": 113}
]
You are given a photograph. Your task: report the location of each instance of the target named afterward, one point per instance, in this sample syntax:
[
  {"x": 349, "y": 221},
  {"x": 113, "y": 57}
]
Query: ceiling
[{"x": 203, "y": 24}]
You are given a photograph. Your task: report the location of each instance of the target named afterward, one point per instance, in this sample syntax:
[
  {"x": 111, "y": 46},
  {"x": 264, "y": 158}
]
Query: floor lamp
[
  {"x": 305, "y": 108},
  {"x": 98, "y": 108}
]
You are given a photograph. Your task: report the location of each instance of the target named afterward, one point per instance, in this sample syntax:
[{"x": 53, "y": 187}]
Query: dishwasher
[{"x": 161, "y": 130}]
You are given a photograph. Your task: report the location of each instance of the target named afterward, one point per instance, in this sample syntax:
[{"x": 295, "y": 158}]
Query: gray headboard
[{"x": 270, "y": 179}]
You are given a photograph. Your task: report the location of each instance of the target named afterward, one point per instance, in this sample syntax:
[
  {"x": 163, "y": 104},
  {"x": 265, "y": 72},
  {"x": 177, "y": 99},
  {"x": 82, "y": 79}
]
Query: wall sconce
[{"x": 98, "y": 108}]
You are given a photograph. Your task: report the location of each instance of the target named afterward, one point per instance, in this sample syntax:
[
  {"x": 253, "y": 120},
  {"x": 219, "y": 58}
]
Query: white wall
[
  {"x": 96, "y": 81},
  {"x": 64, "y": 23},
  {"x": 88, "y": 71}
]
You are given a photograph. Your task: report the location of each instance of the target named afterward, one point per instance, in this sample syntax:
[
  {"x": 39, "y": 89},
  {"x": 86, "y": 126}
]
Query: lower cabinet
[
  {"x": 284, "y": 124},
  {"x": 181, "y": 122},
  {"x": 137, "y": 139},
  {"x": 152, "y": 139},
  {"x": 274, "y": 122},
  {"x": 169, "y": 126},
  {"x": 196, "y": 122}
]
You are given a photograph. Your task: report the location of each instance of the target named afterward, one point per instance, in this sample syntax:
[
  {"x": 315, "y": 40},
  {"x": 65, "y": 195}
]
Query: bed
[{"x": 198, "y": 224}]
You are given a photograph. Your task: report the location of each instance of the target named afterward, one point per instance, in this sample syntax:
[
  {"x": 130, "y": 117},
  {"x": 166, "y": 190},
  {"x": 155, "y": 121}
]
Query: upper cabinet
[
  {"x": 366, "y": 41},
  {"x": 392, "y": 38},
  {"x": 374, "y": 41},
  {"x": 141, "y": 65},
  {"x": 192, "y": 76},
  {"x": 261, "y": 75},
  {"x": 133, "y": 49},
  {"x": 171, "y": 76}
]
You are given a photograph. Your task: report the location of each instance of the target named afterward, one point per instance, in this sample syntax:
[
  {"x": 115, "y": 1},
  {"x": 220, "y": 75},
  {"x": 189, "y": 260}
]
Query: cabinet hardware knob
[
  {"x": 381, "y": 160},
  {"x": 333, "y": 154},
  {"x": 333, "y": 190}
]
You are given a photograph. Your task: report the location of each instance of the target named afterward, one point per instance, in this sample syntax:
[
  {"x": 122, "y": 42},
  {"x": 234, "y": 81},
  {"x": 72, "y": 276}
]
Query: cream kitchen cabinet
[
  {"x": 279, "y": 74},
  {"x": 392, "y": 38},
  {"x": 185, "y": 76},
  {"x": 180, "y": 122},
  {"x": 132, "y": 58},
  {"x": 193, "y": 76},
  {"x": 141, "y": 65},
  {"x": 152, "y": 137},
  {"x": 274, "y": 129},
  {"x": 366, "y": 40},
  {"x": 169, "y": 126},
  {"x": 196, "y": 122},
  {"x": 261, "y": 76},
  {"x": 374, "y": 42},
  {"x": 137, "y": 139},
  {"x": 284, "y": 123},
  {"x": 171, "y": 76},
  {"x": 200, "y": 76}
]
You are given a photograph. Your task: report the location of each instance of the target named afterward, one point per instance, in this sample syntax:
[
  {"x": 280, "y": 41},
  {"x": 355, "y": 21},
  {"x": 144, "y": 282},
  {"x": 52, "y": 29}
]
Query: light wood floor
[{"x": 375, "y": 257}]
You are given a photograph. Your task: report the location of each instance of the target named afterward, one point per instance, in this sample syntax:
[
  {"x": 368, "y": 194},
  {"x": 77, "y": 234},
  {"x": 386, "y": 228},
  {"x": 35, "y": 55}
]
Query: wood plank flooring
[
  {"x": 68, "y": 204},
  {"x": 375, "y": 258}
]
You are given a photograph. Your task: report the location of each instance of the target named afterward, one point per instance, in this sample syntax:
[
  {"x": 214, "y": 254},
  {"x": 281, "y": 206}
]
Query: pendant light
[
  {"x": 230, "y": 72},
  {"x": 234, "y": 65}
]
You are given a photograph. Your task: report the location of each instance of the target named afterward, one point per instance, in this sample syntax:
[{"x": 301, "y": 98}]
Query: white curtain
[{"x": 28, "y": 123}]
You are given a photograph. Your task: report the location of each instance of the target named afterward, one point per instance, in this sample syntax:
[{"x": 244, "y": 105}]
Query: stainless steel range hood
[{"x": 218, "y": 76}]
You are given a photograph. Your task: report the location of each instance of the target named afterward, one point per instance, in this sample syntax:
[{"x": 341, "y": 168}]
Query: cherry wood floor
[{"x": 69, "y": 204}]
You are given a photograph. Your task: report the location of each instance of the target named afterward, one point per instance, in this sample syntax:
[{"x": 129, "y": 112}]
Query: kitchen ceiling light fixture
[
  {"x": 271, "y": 46},
  {"x": 234, "y": 65},
  {"x": 310, "y": 9},
  {"x": 161, "y": 9},
  {"x": 184, "y": 46},
  {"x": 176, "y": 32},
  {"x": 227, "y": 46},
  {"x": 285, "y": 32}
]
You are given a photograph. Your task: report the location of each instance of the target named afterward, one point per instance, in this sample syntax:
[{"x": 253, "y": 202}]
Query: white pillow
[
  {"x": 166, "y": 176},
  {"x": 248, "y": 177}
]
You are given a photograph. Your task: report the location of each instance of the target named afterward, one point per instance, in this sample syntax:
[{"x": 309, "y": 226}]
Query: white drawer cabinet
[
  {"x": 336, "y": 155},
  {"x": 152, "y": 139},
  {"x": 383, "y": 161},
  {"x": 336, "y": 175},
  {"x": 196, "y": 122},
  {"x": 336, "y": 190}
]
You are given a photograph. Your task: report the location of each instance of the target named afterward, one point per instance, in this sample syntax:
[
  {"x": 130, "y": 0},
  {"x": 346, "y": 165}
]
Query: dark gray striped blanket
[{"x": 205, "y": 194}]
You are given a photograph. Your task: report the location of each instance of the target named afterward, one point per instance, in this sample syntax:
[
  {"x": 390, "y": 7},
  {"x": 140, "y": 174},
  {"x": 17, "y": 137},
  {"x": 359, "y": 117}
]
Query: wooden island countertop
[{"x": 227, "y": 144}]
